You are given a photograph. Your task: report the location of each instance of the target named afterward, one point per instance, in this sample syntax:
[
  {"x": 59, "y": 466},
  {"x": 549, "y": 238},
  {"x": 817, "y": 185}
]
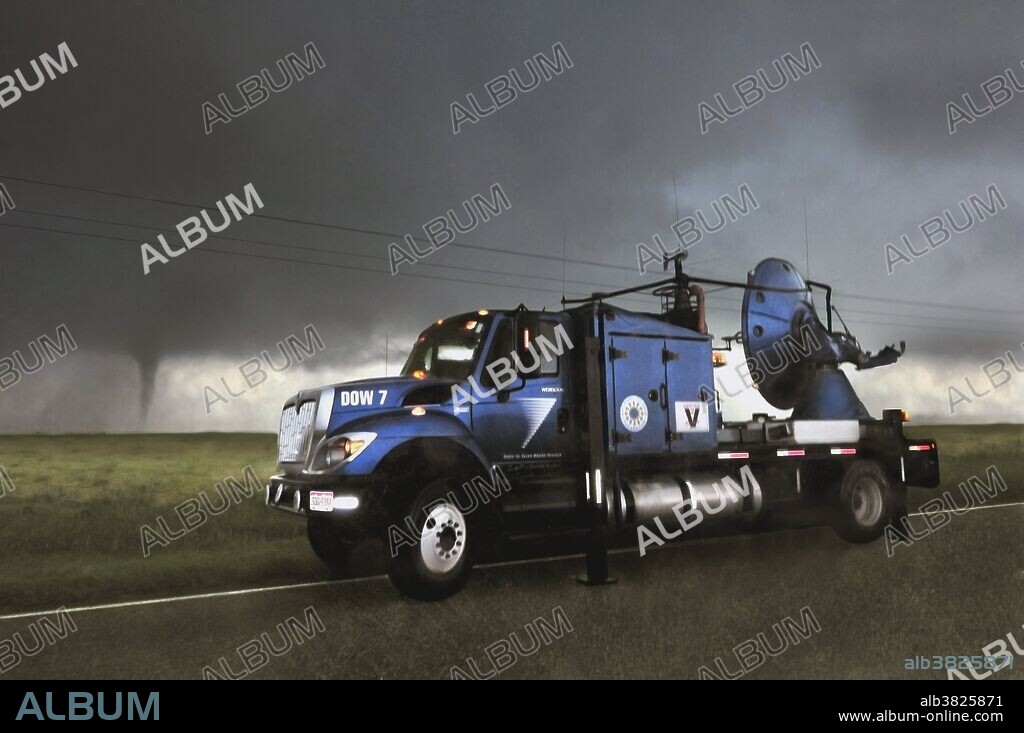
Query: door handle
[
  {"x": 664, "y": 395},
  {"x": 562, "y": 420}
]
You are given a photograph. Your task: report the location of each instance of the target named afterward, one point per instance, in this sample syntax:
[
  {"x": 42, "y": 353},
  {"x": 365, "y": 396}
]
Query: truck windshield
[{"x": 446, "y": 350}]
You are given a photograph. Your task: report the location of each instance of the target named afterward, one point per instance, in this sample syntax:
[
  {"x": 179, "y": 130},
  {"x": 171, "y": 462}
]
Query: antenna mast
[
  {"x": 675, "y": 193},
  {"x": 563, "y": 254},
  {"x": 807, "y": 245}
]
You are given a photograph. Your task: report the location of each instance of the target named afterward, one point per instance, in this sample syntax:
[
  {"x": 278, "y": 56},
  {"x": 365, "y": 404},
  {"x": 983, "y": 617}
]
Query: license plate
[{"x": 321, "y": 501}]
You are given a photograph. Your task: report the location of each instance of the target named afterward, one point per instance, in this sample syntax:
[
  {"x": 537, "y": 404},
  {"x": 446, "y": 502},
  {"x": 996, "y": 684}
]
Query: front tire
[
  {"x": 865, "y": 502},
  {"x": 433, "y": 562}
]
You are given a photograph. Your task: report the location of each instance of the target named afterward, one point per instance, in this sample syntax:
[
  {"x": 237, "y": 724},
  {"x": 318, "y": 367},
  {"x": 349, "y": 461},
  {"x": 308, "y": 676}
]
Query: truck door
[
  {"x": 532, "y": 423},
  {"x": 692, "y": 414},
  {"x": 639, "y": 411}
]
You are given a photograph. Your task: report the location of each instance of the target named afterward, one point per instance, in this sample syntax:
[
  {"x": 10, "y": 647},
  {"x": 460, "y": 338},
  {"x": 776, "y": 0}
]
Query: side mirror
[{"x": 527, "y": 329}]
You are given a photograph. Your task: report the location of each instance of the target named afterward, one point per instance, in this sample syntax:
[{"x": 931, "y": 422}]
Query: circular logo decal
[{"x": 633, "y": 413}]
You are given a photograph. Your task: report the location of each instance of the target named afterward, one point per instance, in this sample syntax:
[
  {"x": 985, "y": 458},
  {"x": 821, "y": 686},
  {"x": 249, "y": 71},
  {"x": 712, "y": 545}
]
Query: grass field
[{"x": 71, "y": 527}]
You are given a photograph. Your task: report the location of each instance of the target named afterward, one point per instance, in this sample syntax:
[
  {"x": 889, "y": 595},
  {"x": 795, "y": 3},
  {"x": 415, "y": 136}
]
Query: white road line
[
  {"x": 195, "y": 597},
  {"x": 249, "y": 591},
  {"x": 325, "y": 583},
  {"x": 967, "y": 509}
]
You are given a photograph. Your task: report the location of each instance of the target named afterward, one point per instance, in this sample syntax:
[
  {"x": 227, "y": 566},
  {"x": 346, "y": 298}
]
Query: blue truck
[{"x": 594, "y": 421}]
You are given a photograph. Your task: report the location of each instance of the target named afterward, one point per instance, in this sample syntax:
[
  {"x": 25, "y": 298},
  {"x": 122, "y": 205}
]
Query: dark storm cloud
[{"x": 367, "y": 142}]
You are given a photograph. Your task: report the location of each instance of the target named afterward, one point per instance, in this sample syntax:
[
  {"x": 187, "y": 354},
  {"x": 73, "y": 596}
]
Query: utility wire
[
  {"x": 475, "y": 270},
  {"x": 209, "y": 250},
  {"x": 462, "y": 245},
  {"x": 323, "y": 250},
  {"x": 336, "y": 227},
  {"x": 600, "y": 286}
]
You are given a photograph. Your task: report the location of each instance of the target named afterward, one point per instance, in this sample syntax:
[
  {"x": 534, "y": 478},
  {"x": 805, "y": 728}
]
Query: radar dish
[{"x": 776, "y": 306}]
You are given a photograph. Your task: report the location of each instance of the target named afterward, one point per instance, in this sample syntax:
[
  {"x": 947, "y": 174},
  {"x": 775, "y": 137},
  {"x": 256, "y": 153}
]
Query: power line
[
  {"x": 308, "y": 248},
  {"x": 925, "y": 304},
  {"x": 295, "y": 261},
  {"x": 475, "y": 270},
  {"x": 491, "y": 250},
  {"x": 453, "y": 267},
  {"x": 924, "y": 326},
  {"x": 337, "y": 227},
  {"x": 941, "y": 319},
  {"x": 105, "y": 237},
  {"x": 601, "y": 286}
]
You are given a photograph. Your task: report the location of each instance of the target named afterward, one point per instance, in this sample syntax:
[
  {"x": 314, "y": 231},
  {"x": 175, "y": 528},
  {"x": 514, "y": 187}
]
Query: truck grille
[{"x": 296, "y": 425}]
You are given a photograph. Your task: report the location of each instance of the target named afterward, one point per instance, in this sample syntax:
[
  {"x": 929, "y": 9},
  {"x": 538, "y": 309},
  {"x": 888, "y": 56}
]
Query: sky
[{"x": 594, "y": 161}]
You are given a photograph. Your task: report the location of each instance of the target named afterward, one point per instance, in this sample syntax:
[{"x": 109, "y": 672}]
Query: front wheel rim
[{"x": 443, "y": 539}]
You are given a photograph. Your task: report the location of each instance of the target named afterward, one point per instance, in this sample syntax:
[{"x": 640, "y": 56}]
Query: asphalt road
[{"x": 671, "y": 612}]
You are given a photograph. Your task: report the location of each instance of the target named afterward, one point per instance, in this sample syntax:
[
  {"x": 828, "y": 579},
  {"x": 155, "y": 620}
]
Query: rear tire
[
  {"x": 435, "y": 562},
  {"x": 328, "y": 544},
  {"x": 865, "y": 502}
]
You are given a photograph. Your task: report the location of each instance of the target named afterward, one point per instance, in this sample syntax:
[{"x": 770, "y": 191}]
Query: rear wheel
[
  {"x": 328, "y": 543},
  {"x": 865, "y": 501},
  {"x": 434, "y": 561}
]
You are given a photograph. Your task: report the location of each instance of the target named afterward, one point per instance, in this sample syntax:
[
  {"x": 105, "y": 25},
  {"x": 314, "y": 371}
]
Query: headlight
[{"x": 346, "y": 447}]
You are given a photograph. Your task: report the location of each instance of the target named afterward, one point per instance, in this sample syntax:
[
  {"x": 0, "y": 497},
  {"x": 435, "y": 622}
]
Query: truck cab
[{"x": 468, "y": 410}]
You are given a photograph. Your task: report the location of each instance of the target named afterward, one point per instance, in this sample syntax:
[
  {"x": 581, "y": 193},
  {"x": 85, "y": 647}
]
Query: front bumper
[{"x": 352, "y": 497}]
